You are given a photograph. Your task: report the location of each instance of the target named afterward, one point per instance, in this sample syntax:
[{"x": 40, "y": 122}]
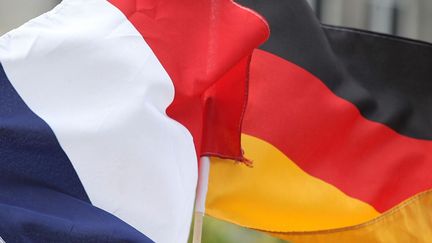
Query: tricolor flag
[
  {"x": 339, "y": 128},
  {"x": 104, "y": 108}
]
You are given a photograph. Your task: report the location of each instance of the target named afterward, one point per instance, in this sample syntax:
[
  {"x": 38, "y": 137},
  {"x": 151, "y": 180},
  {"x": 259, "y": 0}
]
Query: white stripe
[{"x": 89, "y": 74}]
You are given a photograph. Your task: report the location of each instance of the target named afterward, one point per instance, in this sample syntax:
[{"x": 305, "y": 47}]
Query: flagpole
[{"x": 203, "y": 176}]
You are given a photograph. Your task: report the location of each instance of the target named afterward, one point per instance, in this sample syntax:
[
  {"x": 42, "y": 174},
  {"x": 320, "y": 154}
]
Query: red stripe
[
  {"x": 205, "y": 47},
  {"x": 328, "y": 137}
]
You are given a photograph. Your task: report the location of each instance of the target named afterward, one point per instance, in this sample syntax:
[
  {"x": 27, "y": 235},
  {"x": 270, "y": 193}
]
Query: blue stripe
[{"x": 41, "y": 196}]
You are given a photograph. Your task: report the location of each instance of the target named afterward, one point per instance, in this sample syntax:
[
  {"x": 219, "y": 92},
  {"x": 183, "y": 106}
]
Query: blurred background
[
  {"x": 13, "y": 13},
  {"x": 408, "y": 18}
]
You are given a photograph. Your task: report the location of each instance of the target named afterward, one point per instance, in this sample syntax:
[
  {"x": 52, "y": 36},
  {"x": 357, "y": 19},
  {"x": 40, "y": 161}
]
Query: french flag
[{"x": 105, "y": 107}]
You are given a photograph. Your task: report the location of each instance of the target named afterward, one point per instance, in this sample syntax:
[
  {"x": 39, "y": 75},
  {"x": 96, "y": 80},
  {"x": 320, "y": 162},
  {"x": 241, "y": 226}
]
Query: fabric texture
[
  {"x": 337, "y": 124},
  {"x": 207, "y": 55},
  {"x": 107, "y": 105}
]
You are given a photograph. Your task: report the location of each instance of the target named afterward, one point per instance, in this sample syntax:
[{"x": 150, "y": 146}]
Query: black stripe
[{"x": 388, "y": 78}]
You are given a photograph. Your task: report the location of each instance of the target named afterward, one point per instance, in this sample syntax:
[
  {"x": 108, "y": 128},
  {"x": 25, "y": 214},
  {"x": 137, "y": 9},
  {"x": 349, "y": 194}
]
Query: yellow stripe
[
  {"x": 410, "y": 222},
  {"x": 276, "y": 195}
]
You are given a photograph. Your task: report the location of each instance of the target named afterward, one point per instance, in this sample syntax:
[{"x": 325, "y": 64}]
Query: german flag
[{"x": 339, "y": 128}]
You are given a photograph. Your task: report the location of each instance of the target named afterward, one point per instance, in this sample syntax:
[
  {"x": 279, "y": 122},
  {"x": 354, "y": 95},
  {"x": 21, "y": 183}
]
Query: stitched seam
[
  {"x": 222, "y": 156},
  {"x": 245, "y": 103}
]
